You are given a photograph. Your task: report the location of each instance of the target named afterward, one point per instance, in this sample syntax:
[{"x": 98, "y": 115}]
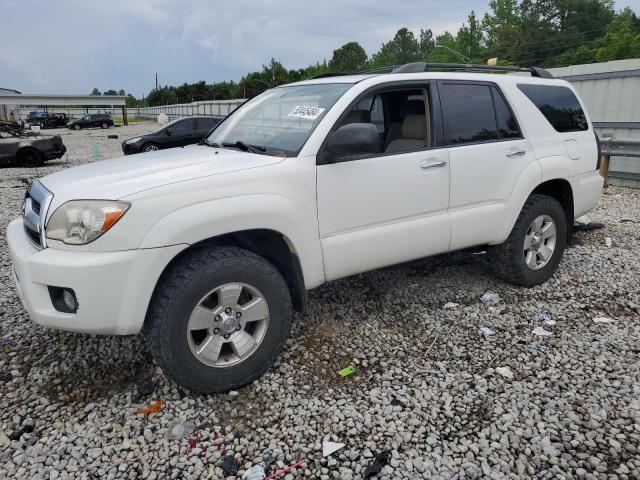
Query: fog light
[
  {"x": 63, "y": 299},
  {"x": 69, "y": 299}
]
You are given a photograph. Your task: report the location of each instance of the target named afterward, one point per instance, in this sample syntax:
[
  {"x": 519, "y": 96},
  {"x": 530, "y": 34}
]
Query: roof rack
[
  {"x": 328, "y": 74},
  {"x": 417, "y": 67}
]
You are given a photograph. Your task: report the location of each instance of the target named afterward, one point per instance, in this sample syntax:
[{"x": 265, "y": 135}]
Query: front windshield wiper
[{"x": 245, "y": 147}]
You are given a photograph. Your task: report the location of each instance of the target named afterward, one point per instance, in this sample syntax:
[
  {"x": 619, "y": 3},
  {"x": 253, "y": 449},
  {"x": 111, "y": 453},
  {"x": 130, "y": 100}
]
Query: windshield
[{"x": 278, "y": 121}]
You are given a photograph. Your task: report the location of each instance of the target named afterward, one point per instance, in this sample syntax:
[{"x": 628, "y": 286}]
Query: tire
[
  {"x": 104, "y": 125},
  {"x": 150, "y": 147},
  {"x": 514, "y": 262},
  {"x": 184, "y": 286},
  {"x": 76, "y": 127},
  {"x": 29, "y": 157}
]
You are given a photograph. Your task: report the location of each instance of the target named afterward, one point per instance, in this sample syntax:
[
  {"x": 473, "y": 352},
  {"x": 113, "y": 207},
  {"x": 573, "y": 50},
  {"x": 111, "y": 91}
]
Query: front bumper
[
  {"x": 131, "y": 148},
  {"x": 113, "y": 288},
  {"x": 57, "y": 152}
]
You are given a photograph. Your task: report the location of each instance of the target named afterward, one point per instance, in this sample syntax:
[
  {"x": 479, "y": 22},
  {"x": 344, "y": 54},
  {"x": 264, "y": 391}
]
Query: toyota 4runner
[{"x": 209, "y": 248}]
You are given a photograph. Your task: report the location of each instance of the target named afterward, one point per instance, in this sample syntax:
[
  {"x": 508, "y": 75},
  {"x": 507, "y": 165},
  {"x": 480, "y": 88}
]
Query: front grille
[{"x": 34, "y": 211}]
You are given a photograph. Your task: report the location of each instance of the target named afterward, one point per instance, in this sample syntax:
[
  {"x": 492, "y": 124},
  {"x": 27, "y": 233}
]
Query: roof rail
[
  {"x": 417, "y": 67},
  {"x": 327, "y": 74}
]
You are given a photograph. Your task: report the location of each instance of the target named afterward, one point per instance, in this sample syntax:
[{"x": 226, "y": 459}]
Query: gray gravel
[{"x": 426, "y": 387}]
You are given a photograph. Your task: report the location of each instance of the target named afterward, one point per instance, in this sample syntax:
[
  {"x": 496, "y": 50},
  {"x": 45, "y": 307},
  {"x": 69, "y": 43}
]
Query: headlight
[
  {"x": 134, "y": 140},
  {"x": 81, "y": 221}
]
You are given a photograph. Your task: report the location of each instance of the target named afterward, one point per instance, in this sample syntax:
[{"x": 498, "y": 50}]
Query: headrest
[
  {"x": 411, "y": 107},
  {"x": 414, "y": 126},
  {"x": 357, "y": 116}
]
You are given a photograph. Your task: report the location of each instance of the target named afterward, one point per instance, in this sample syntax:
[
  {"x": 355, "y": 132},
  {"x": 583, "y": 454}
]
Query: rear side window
[
  {"x": 183, "y": 126},
  {"x": 559, "y": 105},
  {"x": 507, "y": 123},
  {"x": 468, "y": 113},
  {"x": 205, "y": 123}
]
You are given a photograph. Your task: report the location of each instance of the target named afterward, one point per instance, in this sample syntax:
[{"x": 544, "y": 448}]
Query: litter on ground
[
  {"x": 608, "y": 242},
  {"x": 377, "y": 465},
  {"x": 490, "y": 297},
  {"x": 348, "y": 370},
  {"x": 450, "y": 305},
  {"x": 180, "y": 430},
  {"x": 153, "y": 408},
  {"x": 486, "y": 331},
  {"x": 330, "y": 447},
  {"x": 603, "y": 320},
  {"x": 541, "y": 332},
  {"x": 504, "y": 372},
  {"x": 255, "y": 473}
]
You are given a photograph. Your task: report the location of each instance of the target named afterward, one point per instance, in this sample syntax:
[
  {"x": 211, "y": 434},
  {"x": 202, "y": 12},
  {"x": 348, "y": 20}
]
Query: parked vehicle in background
[
  {"x": 178, "y": 133},
  {"x": 208, "y": 249},
  {"x": 54, "y": 120},
  {"x": 102, "y": 120},
  {"x": 28, "y": 149},
  {"x": 35, "y": 118}
]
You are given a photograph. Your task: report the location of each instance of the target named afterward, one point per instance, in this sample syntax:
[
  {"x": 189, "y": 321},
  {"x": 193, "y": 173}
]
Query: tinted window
[
  {"x": 205, "y": 123},
  {"x": 182, "y": 126},
  {"x": 559, "y": 106},
  {"x": 468, "y": 113},
  {"x": 507, "y": 123}
]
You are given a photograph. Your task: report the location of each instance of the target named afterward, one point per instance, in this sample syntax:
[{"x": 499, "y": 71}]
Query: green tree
[
  {"x": 95, "y": 91},
  {"x": 349, "y": 58},
  {"x": 121, "y": 92},
  {"x": 404, "y": 48}
]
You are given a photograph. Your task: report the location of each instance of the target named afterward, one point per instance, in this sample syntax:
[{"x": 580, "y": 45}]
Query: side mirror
[
  {"x": 354, "y": 139},
  {"x": 168, "y": 131}
]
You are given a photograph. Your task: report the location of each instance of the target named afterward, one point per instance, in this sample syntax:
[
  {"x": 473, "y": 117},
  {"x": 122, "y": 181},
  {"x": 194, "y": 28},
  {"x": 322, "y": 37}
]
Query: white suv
[{"x": 207, "y": 249}]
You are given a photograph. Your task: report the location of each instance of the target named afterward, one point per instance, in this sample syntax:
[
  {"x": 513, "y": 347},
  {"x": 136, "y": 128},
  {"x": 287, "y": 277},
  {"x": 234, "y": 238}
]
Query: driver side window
[{"x": 402, "y": 117}]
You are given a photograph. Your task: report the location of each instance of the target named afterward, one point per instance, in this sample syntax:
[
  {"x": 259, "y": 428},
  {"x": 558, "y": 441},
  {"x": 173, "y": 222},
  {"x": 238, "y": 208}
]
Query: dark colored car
[
  {"x": 102, "y": 120},
  {"x": 24, "y": 148},
  {"x": 178, "y": 133},
  {"x": 35, "y": 118},
  {"x": 54, "y": 120}
]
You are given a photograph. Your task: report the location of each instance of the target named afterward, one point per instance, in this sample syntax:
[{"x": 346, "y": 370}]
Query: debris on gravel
[{"x": 428, "y": 391}]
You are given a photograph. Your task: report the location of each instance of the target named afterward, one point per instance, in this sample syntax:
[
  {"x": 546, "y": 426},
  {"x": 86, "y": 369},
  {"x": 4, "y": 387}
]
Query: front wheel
[
  {"x": 104, "y": 125},
  {"x": 533, "y": 251},
  {"x": 218, "y": 319},
  {"x": 76, "y": 127},
  {"x": 150, "y": 147}
]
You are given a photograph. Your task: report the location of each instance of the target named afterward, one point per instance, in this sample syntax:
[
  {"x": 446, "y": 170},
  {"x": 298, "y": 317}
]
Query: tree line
[{"x": 545, "y": 33}]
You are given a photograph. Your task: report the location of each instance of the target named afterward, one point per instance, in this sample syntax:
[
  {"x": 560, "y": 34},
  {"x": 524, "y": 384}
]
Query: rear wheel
[
  {"x": 30, "y": 157},
  {"x": 535, "y": 246},
  {"x": 218, "y": 319},
  {"x": 104, "y": 125}
]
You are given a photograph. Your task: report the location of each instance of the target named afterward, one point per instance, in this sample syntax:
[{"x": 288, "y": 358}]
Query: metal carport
[{"x": 42, "y": 100}]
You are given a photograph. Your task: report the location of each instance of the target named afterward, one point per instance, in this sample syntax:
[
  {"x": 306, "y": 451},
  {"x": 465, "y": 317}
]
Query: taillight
[{"x": 599, "y": 151}]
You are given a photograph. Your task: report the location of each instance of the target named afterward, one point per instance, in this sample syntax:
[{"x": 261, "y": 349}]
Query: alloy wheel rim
[
  {"x": 228, "y": 324},
  {"x": 150, "y": 148},
  {"x": 540, "y": 242}
]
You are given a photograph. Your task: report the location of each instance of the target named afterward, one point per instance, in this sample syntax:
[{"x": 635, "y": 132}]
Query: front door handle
[
  {"x": 427, "y": 165},
  {"x": 515, "y": 152}
]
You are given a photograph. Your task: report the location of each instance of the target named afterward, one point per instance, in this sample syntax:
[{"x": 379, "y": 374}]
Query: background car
[
  {"x": 35, "y": 118},
  {"x": 54, "y": 120},
  {"x": 27, "y": 148},
  {"x": 178, "y": 133},
  {"x": 102, "y": 120}
]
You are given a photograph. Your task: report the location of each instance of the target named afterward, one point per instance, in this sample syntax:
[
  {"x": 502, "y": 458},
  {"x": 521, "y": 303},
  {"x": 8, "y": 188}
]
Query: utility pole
[{"x": 156, "y": 81}]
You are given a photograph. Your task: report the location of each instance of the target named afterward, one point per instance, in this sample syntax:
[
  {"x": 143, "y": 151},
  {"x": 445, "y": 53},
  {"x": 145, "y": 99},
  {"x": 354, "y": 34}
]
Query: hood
[{"x": 119, "y": 177}]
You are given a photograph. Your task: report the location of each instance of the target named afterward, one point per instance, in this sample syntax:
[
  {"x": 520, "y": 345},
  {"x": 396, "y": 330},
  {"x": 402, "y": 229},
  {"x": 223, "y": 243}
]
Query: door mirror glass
[{"x": 354, "y": 139}]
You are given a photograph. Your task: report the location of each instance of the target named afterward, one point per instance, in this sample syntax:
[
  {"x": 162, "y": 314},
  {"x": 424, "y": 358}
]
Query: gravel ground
[{"x": 429, "y": 387}]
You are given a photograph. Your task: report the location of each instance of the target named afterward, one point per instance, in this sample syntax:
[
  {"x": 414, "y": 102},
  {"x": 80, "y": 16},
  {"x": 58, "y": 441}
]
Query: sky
[{"x": 72, "y": 46}]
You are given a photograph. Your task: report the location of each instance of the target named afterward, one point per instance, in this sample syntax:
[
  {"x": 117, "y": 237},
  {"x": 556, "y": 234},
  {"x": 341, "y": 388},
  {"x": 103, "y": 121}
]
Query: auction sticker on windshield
[{"x": 302, "y": 111}]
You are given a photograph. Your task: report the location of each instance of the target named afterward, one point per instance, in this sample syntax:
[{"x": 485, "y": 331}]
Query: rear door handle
[
  {"x": 427, "y": 165},
  {"x": 515, "y": 152}
]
